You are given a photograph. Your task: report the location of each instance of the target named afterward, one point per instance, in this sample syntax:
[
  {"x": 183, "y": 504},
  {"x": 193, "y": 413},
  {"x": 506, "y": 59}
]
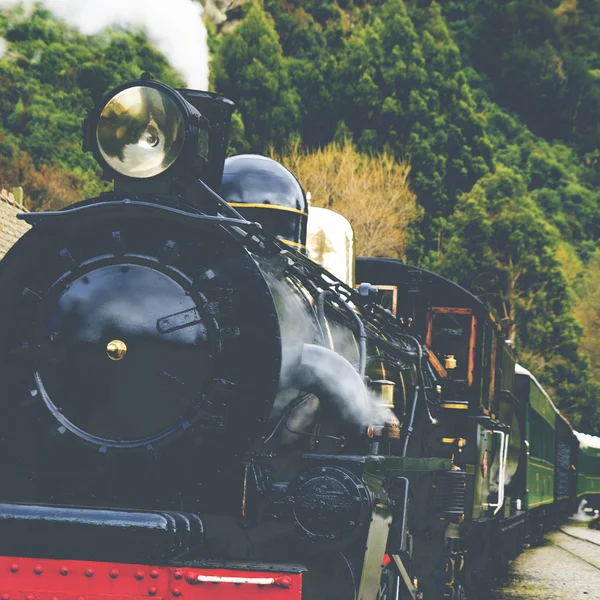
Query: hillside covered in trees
[
  {"x": 493, "y": 105},
  {"x": 485, "y": 111}
]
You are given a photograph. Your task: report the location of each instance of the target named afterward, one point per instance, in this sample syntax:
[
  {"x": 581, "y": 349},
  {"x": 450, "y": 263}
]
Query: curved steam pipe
[
  {"x": 332, "y": 379},
  {"x": 362, "y": 334}
]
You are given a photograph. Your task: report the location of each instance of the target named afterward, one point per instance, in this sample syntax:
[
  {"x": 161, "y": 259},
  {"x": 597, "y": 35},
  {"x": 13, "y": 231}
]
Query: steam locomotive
[{"x": 192, "y": 407}]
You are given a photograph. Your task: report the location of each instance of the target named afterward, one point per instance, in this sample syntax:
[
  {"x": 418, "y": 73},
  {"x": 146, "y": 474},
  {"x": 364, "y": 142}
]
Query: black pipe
[
  {"x": 409, "y": 426},
  {"x": 362, "y": 334}
]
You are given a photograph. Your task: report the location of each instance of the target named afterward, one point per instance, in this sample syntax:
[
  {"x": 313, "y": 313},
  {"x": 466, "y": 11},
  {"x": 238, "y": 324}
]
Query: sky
[{"x": 175, "y": 27}]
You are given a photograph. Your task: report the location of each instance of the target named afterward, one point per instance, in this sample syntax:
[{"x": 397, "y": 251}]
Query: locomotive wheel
[{"x": 330, "y": 576}]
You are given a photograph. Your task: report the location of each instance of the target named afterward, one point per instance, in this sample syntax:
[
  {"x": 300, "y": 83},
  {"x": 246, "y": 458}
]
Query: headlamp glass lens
[{"x": 140, "y": 132}]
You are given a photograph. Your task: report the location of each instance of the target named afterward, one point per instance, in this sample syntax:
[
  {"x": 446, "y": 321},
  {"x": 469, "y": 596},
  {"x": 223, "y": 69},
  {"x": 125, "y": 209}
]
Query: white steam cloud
[{"x": 175, "y": 27}]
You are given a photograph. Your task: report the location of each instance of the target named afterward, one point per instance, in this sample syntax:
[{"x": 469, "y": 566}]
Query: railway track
[
  {"x": 579, "y": 548},
  {"x": 586, "y": 535},
  {"x": 564, "y": 567}
]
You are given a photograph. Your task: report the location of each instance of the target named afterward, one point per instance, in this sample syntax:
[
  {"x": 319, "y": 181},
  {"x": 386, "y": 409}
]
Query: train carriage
[
  {"x": 565, "y": 477},
  {"x": 588, "y": 473},
  {"x": 540, "y": 440}
]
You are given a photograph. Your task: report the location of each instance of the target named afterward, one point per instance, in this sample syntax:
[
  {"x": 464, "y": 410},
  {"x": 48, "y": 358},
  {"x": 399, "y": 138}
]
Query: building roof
[{"x": 11, "y": 228}]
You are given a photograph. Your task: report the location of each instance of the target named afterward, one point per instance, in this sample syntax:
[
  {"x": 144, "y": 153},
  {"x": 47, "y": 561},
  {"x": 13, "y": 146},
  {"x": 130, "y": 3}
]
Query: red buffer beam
[{"x": 45, "y": 579}]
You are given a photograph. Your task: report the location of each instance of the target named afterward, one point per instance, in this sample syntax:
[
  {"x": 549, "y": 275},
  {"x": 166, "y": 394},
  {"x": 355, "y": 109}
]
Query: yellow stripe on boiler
[{"x": 273, "y": 206}]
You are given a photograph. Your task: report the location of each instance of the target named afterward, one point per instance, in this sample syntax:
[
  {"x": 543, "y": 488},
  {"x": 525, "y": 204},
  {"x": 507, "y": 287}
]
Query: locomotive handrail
[
  {"x": 34, "y": 218},
  {"x": 220, "y": 201},
  {"x": 504, "y": 436}
]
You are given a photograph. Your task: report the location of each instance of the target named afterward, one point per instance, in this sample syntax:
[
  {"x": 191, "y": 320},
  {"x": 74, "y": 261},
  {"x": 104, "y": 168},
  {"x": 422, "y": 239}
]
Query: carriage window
[{"x": 451, "y": 334}]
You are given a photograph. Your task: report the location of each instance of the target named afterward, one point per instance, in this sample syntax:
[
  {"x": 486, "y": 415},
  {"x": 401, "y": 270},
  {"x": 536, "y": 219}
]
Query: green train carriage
[
  {"x": 546, "y": 479},
  {"x": 588, "y": 473},
  {"x": 540, "y": 440}
]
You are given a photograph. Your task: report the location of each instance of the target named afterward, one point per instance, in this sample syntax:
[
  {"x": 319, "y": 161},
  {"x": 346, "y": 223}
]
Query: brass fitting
[
  {"x": 116, "y": 350},
  {"x": 450, "y": 362},
  {"x": 374, "y": 431},
  {"x": 392, "y": 429},
  {"x": 385, "y": 390}
]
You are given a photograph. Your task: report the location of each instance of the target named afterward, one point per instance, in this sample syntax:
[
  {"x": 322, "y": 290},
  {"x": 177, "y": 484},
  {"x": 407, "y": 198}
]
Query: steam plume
[{"x": 175, "y": 27}]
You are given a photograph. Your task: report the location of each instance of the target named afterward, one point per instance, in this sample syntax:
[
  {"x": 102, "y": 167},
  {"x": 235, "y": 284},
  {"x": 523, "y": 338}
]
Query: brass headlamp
[{"x": 143, "y": 129}]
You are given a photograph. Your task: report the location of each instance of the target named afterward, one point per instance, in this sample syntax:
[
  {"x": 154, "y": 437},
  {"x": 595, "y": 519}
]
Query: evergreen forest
[{"x": 485, "y": 112}]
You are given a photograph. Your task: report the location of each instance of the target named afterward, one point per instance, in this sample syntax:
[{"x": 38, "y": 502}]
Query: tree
[
  {"x": 500, "y": 247},
  {"x": 371, "y": 191},
  {"x": 251, "y": 70}
]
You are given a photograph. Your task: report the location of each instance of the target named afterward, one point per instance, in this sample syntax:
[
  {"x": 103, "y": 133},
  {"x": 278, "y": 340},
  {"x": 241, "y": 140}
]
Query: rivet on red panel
[
  {"x": 152, "y": 591},
  {"x": 30, "y": 597},
  {"x": 154, "y": 573},
  {"x": 284, "y": 581},
  {"x": 38, "y": 569},
  {"x": 89, "y": 572},
  {"x": 14, "y": 567},
  {"x": 5, "y": 597},
  {"x": 190, "y": 577},
  {"x": 176, "y": 592},
  {"x": 114, "y": 573},
  {"x": 139, "y": 574},
  {"x": 177, "y": 575},
  {"x": 64, "y": 570}
]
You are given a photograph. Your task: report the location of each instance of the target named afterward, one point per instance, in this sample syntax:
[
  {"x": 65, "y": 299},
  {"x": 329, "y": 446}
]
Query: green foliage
[
  {"x": 495, "y": 106},
  {"x": 500, "y": 247},
  {"x": 391, "y": 82},
  {"x": 559, "y": 180},
  {"x": 49, "y": 75},
  {"x": 587, "y": 311},
  {"x": 543, "y": 58},
  {"x": 251, "y": 70}
]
